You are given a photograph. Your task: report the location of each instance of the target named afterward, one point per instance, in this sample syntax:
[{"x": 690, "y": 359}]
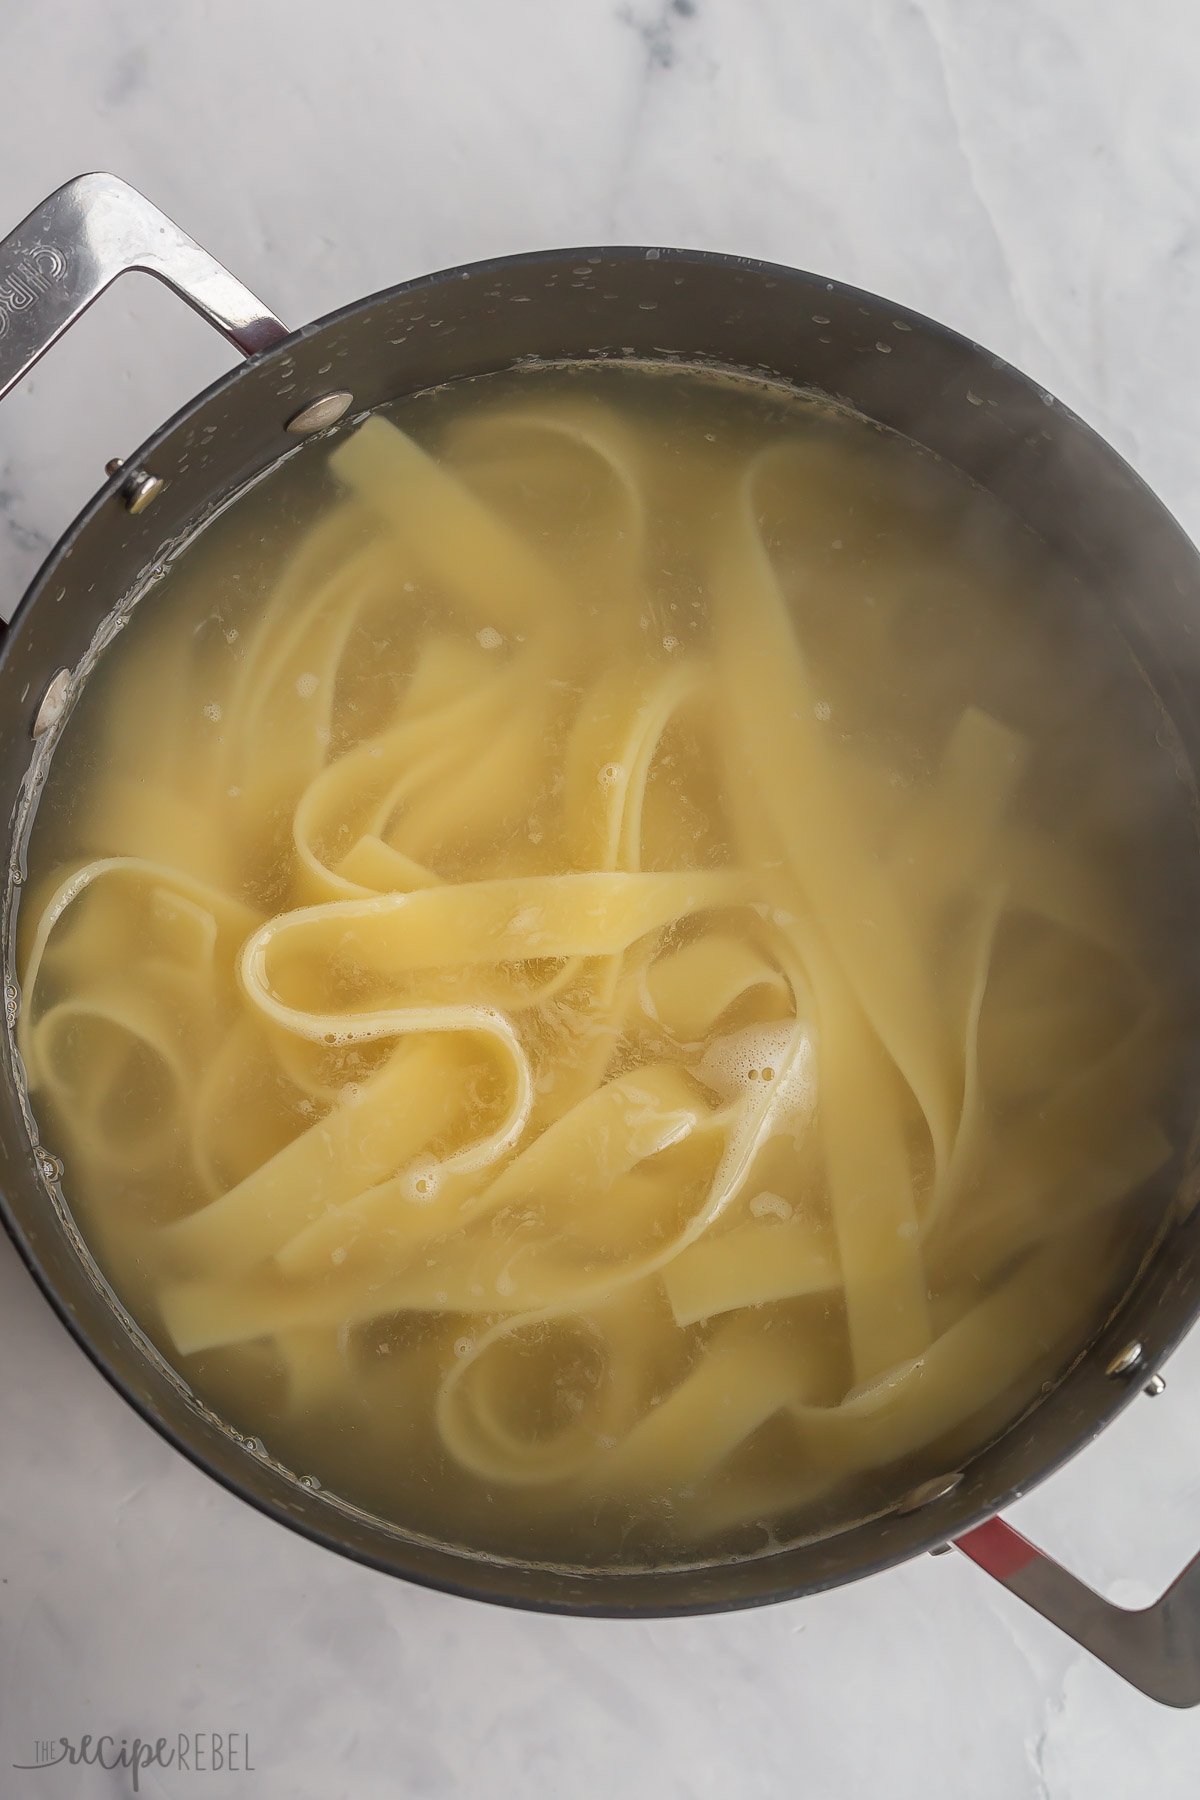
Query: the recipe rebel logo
[{"x": 187, "y": 1752}]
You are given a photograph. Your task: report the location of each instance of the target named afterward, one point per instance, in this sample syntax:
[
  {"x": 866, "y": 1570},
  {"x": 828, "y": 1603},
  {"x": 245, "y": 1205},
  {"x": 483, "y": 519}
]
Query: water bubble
[
  {"x": 421, "y": 1182},
  {"x": 489, "y": 638},
  {"x": 307, "y": 685},
  {"x": 463, "y": 1346}
]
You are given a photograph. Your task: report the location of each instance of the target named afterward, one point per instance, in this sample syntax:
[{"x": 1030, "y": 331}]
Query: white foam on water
[
  {"x": 770, "y": 1206},
  {"x": 732, "y": 1064}
]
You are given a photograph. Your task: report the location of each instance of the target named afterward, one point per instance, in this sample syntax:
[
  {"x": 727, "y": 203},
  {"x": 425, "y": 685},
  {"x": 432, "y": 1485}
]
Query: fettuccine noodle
[{"x": 502, "y": 1015}]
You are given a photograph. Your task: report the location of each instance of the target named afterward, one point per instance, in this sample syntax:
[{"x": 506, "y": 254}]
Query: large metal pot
[{"x": 893, "y": 366}]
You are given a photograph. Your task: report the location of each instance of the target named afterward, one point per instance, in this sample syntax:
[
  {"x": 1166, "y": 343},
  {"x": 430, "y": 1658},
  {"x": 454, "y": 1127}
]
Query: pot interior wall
[{"x": 892, "y": 366}]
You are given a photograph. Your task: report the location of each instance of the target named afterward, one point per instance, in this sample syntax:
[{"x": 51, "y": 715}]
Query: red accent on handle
[{"x": 997, "y": 1548}]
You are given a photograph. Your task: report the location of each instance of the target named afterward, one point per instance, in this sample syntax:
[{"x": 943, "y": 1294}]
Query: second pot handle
[
  {"x": 76, "y": 243},
  {"x": 1156, "y": 1648}
]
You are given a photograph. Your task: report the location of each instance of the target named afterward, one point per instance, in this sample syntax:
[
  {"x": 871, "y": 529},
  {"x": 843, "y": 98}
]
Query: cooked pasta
[{"x": 562, "y": 1018}]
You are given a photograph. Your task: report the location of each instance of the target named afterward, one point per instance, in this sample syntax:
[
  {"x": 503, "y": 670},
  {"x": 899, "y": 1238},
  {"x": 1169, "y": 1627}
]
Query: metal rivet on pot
[
  {"x": 319, "y": 413},
  {"x": 941, "y": 1550},
  {"x": 1155, "y": 1386},
  {"x": 139, "y": 489},
  {"x": 929, "y": 1491},
  {"x": 1127, "y": 1361},
  {"x": 142, "y": 490},
  {"x": 53, "y": 701}
]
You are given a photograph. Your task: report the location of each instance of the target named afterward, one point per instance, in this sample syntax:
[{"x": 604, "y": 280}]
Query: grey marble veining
[{"x": 1030, "y": 174}]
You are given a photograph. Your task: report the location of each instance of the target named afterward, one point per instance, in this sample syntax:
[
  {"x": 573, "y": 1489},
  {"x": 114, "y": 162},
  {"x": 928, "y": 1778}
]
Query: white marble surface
[{"x": 1030, "y": 173}]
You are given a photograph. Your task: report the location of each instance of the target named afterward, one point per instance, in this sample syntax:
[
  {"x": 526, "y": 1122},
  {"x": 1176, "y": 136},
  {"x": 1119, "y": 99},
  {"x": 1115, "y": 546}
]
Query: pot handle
[
  {"x": 72, "y": 246},
  {"x": 1157, "y": 1648}
]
